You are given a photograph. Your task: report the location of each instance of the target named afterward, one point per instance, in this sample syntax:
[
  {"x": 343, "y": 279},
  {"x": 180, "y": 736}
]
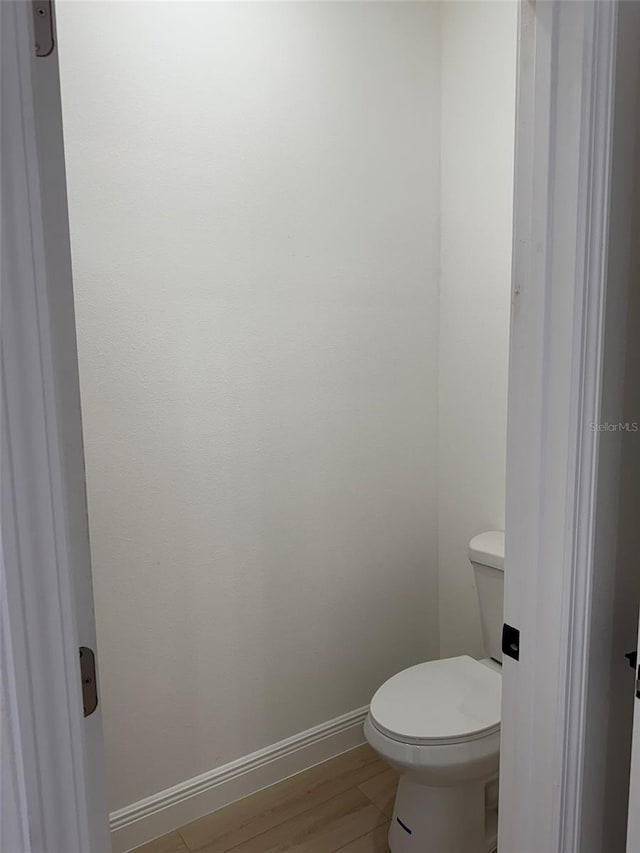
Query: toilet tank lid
[{"x": 487, "y": 549}]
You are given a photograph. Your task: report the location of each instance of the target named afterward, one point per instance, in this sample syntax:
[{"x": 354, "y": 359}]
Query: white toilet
[{"x": 438, "y": 724}]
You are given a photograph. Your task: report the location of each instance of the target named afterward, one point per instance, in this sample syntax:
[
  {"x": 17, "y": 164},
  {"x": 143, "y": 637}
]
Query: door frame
[
  {"x": 54, "y": 788},
  {"x": 559, "y": 521},
  {"x": 569, "y": 292}
]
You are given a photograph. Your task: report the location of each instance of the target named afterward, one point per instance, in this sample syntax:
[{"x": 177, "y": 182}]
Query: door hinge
[
  {"x": 88, "y": 678},
  {"x": 511, "y": 641},
  {"x": 42, "y": 27},
  {"x": 632, "y": 657}
]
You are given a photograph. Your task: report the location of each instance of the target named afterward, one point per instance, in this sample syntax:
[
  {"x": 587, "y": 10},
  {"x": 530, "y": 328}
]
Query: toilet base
[{"x": 447, "y": 820}]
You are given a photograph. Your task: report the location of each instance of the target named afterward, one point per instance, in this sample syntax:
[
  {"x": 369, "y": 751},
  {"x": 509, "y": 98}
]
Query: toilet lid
[{"x": 442, "y": 701}]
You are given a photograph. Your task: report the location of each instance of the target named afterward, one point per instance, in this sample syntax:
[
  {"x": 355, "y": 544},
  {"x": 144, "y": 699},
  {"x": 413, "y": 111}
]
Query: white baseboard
[{"x": 147, "y": 819}]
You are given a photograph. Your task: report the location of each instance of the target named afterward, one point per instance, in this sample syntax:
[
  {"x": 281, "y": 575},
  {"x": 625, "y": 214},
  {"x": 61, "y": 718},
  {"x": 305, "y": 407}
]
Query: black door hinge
[{"x": 632, "y": 657}]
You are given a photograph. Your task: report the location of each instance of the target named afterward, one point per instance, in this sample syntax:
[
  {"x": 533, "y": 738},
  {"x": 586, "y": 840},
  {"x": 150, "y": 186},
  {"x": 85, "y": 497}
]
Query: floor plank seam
[
  {"x": 385, "y": 820},
  {"x": 286, "y": 820}
]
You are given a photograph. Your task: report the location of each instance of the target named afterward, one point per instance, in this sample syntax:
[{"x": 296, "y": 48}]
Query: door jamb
[{"x": 51, "y": 777}]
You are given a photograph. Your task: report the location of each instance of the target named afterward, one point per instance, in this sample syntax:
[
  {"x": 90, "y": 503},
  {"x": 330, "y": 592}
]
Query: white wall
[
  {"x": 478, "y": 118},
  {"x": 254, "y": 204}
]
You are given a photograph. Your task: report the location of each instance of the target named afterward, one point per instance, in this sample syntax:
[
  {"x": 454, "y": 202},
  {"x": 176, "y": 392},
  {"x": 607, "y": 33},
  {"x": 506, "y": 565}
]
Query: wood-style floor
[{"x": 342, "y": 805}]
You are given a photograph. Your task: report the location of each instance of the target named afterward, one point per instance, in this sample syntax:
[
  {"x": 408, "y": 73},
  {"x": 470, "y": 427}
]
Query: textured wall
[
  {"x": 478, "y": 120},
  {"x": 254, "y": 204}
]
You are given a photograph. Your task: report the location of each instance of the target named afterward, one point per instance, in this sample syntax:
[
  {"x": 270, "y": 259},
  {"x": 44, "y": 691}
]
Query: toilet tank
[{"x": 486, "y": 553}]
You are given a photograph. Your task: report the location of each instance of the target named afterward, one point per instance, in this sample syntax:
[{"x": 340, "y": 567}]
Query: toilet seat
[{"x": 441, "y": 702}]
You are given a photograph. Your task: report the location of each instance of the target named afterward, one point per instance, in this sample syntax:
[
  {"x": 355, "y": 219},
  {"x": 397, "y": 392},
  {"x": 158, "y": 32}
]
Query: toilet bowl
[{"x": 438, "y": 725}]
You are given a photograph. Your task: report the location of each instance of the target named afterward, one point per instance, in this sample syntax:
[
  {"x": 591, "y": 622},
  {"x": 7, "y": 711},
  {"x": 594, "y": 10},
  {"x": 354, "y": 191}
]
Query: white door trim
[
  {"x": 594, "y": 171},
  {"x": 51, "y": 778},
  {"x": 557, "y": 505}
]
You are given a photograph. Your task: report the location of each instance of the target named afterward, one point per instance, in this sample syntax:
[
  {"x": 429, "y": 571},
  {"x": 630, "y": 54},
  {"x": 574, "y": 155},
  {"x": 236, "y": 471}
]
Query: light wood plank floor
[{"x": 342, "y": 805}]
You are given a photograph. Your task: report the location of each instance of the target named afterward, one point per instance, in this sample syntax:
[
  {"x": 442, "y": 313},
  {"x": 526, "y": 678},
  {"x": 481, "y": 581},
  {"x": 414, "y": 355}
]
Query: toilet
[{"x": 438, "y": 724}]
